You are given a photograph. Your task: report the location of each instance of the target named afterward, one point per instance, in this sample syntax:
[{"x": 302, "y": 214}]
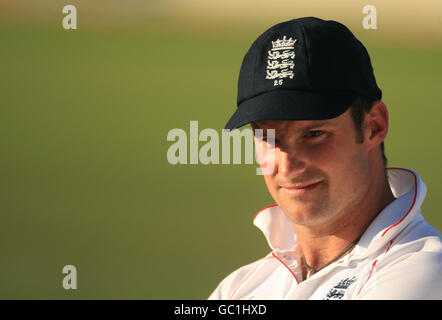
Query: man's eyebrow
[{"x": 315, "y": 125}]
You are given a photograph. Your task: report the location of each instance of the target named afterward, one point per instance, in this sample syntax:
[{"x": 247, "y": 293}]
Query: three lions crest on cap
[{"x": 280, "y": 62}]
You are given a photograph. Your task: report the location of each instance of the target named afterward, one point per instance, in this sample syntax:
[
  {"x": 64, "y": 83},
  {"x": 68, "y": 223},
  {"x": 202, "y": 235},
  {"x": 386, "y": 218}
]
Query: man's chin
[{"x": 303, "y": 214}]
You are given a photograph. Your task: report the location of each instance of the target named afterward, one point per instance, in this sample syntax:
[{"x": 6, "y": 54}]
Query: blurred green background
[{"x": 84, "y": 178}]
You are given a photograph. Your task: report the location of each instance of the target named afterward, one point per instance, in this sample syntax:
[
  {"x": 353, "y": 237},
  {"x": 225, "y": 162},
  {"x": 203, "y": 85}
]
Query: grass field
[{"x": 84, "y": 176}]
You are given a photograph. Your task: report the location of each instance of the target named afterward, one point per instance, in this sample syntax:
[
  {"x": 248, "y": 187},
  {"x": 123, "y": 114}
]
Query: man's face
[{"x": 320, "y": 171}]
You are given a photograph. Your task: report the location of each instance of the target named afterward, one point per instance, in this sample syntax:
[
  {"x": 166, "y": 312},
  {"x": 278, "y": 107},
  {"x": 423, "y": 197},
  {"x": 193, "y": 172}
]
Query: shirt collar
[{"x": 408, "y": 189}]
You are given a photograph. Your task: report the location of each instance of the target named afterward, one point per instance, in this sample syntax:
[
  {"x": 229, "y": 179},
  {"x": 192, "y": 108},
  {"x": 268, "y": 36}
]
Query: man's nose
[{"x": 290, "y": 162}]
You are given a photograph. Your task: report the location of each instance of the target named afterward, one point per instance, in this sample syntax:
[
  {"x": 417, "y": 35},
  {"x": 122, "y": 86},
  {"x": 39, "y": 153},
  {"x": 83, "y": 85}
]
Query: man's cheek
[{"x": 266, "y": 157}]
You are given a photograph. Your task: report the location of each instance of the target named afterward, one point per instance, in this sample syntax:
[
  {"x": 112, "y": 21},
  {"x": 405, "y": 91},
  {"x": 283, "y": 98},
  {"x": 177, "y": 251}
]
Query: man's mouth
[{"x": 301, "y": 188}]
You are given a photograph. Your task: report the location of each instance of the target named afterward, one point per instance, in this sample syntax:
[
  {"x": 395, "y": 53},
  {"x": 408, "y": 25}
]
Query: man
[{"x": 344, "y": 226}]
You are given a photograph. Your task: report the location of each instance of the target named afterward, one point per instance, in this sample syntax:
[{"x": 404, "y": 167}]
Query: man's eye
[
  {"x": 266, "y": 140},
  {"x": 315, "y": 133},
  {"x": 264, "y": 137}
]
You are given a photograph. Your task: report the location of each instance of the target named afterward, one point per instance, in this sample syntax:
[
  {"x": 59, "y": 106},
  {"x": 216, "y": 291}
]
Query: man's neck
[{"x": 321, "y": 245}]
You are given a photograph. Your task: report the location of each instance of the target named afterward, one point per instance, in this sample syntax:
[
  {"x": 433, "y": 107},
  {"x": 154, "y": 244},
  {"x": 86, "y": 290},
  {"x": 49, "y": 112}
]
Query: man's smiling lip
[{"x": 301, "y": 188}]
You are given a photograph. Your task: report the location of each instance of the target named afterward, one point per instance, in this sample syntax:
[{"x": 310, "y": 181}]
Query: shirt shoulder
[
  {"x": 411, "y": 269},
  {"x": 230, "y": 284}
]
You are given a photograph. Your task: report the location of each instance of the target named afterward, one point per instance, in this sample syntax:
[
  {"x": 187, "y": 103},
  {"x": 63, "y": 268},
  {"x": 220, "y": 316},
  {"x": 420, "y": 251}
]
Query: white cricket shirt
[{"x": 399, "y": 256}]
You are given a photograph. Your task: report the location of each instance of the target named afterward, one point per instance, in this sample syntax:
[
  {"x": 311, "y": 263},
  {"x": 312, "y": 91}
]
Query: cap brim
[{"x": 291, "y": 105}]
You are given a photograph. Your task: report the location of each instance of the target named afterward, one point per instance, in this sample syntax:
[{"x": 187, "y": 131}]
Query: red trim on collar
[
  {"x": 275, "y": 256},
  {"x": 273, "y": 205},
  {"x": 414, "y": 199}
]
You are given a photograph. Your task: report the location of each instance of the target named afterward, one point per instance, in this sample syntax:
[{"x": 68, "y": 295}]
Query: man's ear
[{"x": 376, "y": 124}]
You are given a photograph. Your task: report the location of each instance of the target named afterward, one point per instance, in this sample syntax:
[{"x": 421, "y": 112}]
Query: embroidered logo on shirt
[
  {"x": 280, "y": 60},
  {"x": 339, "y": 290}
]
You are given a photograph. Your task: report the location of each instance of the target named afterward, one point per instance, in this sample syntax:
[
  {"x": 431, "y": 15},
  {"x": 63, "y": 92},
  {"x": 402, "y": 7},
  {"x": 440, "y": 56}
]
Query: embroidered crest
[
  {"x": 339, "y": 290},
  {"x": 280, "y": 60}
]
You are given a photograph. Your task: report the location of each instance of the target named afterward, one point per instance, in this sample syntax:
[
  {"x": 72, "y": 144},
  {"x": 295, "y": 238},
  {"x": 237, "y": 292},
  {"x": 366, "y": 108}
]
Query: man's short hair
[{"x": 361, "y": 105}]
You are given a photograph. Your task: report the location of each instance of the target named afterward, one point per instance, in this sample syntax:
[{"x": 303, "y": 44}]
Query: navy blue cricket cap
[{"x": 303, "y": 69}]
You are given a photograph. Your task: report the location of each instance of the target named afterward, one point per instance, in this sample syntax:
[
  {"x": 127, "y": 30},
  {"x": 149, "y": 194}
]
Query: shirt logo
[
  {"x": 339, "y": 290},
  {"x": 280, "y": 60}
]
